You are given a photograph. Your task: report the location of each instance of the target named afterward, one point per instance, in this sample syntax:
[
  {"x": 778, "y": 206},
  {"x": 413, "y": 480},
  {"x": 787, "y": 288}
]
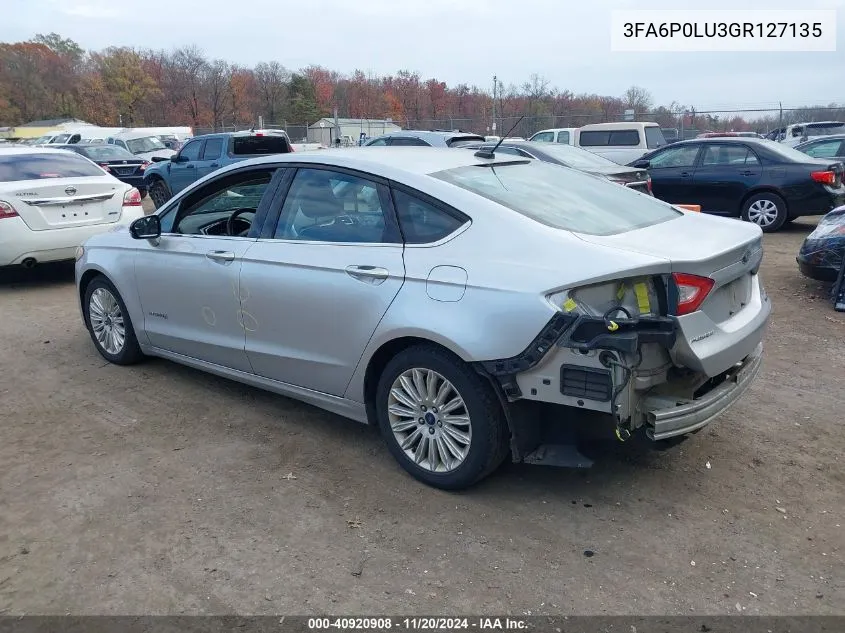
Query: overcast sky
[{"x": 566, "y": 41}]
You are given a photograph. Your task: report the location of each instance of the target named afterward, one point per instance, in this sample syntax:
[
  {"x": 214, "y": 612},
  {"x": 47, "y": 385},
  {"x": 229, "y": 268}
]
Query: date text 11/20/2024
[{"x": 417, "y": 624}]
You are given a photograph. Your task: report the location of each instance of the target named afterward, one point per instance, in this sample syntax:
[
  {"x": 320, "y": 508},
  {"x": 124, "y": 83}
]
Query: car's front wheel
[
  {"x": 440, "y": 419},
  {"x": 158, "y": 192},
  {"x": 109, "y": 323},
  {"x": 767, "y": 210}
]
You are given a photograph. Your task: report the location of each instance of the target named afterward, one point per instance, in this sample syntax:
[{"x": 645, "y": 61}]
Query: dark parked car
[
  {"x": 574, "y": 157},
  {"x": 117, "y": 161},
  {"x": 821, "y": 253},
  {"x": 760, "y": 181},
  {"x": 824, "y": 147}
]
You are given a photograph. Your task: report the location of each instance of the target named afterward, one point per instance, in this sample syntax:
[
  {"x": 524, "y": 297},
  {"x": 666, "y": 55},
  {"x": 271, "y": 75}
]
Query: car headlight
[
  {"x": 637, "y": 295},
  {"x": 80, "y": 251}
]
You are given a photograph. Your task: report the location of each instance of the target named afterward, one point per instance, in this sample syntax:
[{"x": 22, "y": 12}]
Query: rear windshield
[
  {"x": 106, "y": 152},
  {"x": 145, "y": 144},
  {"x": 41, "y": 166},
  {"x": 455, "y": 140},
  {"x": 576, "y": 157},
  {"x": 609, "y": 138},
  {"x": 562, "y": 198},
  {"x": 259, "y": 145}
]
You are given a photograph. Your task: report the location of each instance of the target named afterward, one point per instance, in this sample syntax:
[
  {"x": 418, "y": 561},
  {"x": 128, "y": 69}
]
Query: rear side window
[
  {"x": 728, "y": 156},
  {"x": 379, "y": 142},
  {"x": 213, "y": 149},
  {"x": 456, "y": 140},
  {"x": 421, "y": 222},
  {"x": 407, "y": 141},
  {"x": 561, "y": 198},
  {"x": 259, "y": 145},
  {"x": 43, "y": 166},
  {"x": 609, "y": 138},
  {"x": 563, "y": 137}
]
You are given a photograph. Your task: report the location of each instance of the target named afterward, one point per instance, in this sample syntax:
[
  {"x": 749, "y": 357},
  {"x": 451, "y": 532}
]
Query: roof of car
[
  {"x": 28, "y": 149},
  {"x": 428, "y": 133},
  {"x": 128, "y": 136},
  {"x": 821, "y": 139},
  {"x": 417, "y": 160}
]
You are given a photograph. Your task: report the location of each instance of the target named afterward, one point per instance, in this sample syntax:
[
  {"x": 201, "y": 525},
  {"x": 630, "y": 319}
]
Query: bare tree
[
  {"x": 217, "y": 89},
  {"x": 637, "y": 98},
  {"x": 272, "y": 79}
]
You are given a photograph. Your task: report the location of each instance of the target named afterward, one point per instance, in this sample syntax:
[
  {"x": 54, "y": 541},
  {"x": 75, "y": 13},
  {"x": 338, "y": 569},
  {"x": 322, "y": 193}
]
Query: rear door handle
[
  {"x": 748, "y": 173},
  {"x": 369, "y": 274},
  {"x": 221, "y": 256},
  {"x": 215, "y": 165},
  {"x": 190, "y": 166},
  {"x": 685, "y": 174}
]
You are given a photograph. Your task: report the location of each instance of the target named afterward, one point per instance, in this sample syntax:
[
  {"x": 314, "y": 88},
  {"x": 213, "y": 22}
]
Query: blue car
[
  {"x": 821, "y": 253},
  {"x": 204, "y": 154}
]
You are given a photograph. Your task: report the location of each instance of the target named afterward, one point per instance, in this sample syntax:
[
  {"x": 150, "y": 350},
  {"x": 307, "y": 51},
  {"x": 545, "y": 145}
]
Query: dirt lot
[{"x": 159, "y": 489}]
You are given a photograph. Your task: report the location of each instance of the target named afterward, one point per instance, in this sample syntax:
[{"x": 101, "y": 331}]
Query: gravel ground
[{"x": 160, "y": 489}]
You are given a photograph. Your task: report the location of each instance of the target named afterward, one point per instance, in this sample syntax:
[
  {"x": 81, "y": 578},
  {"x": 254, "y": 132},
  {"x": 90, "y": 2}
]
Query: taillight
[
  {"x": 132, "y": 198},
  {"x": 692, "y": 291},
  {"x": 824, "y": 177},
  {"x": 7, "y": 210},
  {"x": 105, "y": 167},
  {"x": 648, "y": 183}
]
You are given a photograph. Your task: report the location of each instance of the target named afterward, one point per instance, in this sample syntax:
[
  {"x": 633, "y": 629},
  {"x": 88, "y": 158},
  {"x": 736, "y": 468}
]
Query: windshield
[
  {"x": 42, "y": 139},
  {"x": 145, "y": 144},
  {"x": 48, "y": 165},
  {"x": 107, "y": 152},
  {"x": 561, "y": 198},
  {"x": 575, "y": 157}
]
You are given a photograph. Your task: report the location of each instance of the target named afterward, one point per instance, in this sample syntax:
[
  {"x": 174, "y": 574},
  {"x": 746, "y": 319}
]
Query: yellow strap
[
  {"x": 613, "y": 326},
  {"x": 569, "y": 305},
  {"x": 642, "y": 297}
]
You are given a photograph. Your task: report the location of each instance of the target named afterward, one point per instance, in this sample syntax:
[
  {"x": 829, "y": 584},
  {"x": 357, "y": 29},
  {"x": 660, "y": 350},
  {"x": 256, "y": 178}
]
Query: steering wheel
[{"x": 230, "y": 223}]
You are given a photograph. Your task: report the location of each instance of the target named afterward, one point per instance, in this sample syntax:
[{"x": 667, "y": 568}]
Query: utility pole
[
  {"x": 495, "y": 81},
  {"x": 780, "y": 116}
]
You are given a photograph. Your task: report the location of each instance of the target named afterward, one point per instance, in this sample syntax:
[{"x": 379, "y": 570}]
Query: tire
[
  {"x": 159, "y": 192},
  {"x": 767, "y": 210},
  {"x": 441, "y": 463},
  {"x": 103, "y": 306}
]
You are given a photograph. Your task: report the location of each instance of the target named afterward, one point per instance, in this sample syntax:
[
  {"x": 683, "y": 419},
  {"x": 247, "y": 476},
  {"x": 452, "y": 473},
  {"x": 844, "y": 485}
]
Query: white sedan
[{"x": 51, "y": 201}]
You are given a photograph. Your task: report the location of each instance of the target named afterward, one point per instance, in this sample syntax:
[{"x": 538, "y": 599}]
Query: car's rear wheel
[
  {"x": 441, "y": 420},
  {"x": 158, "y": 192},
  {"x": 767, "y": 210},
  {"x": 109, "y": 323}
]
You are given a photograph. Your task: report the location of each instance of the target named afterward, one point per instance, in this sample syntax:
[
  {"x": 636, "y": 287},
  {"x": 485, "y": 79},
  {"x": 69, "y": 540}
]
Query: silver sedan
[{"x": 447, "y": 297}]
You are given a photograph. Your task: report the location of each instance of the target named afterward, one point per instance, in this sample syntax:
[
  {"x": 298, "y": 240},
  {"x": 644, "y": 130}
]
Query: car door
[
  {"x": 188, "y": 279},
  {"x": 672, "y": 172},
  {"x": 726, "y": 171},
  {"x": 316, "y": 287},
  {"x": 209, "y": 160},
  {"x": 183, "y": 166}
]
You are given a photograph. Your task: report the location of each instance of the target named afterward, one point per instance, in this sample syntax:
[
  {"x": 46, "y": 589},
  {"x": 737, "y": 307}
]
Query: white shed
[{"x": 326, "y": 132}]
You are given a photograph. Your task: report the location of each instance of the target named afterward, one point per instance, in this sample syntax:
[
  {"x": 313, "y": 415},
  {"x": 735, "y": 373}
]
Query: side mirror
[
  {"x": 178, "y": 158},
  {"x": 641, "y": 164},
  {"x": 146, "y": 228},
  {"x": 159, "y": 159}
]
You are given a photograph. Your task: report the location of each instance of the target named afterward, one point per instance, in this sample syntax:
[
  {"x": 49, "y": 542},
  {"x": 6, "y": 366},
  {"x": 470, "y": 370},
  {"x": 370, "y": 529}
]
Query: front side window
[
  {"x": 191, "y": 151},
  {"x": 17, "y": 167},
  {"x": 543, "y": 137},
  {"x": 728, "y": 155},
  {"x": 683, "y": 156},
  {"x": 207, "y": 211},
  {"x": 328, "y": 206},
  {"x": 422, "y": 222},
  {"x": 560, "y": 197},
  {"x": 654, "y": 138}
]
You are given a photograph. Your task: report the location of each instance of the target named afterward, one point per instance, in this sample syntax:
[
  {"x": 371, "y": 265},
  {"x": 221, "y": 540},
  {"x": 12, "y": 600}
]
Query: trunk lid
[
  {"x": 727, "y": 251},
  {"x": 59, "y": 203}
]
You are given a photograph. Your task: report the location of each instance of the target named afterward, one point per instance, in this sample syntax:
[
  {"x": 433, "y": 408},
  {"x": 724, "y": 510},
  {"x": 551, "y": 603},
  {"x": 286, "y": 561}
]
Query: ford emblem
[{"x": 70, "y": 191}]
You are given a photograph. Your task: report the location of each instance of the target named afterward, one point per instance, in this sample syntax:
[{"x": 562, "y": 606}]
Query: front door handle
[
  {"x": 748, "y": 173},
  {"x": 215, "y": 164},
  {"x": 190, "y": 166},
  {"x": 220, "y": 256},
  {"x": 685, "y": 174},
  {"x": 369, "y": 274}
]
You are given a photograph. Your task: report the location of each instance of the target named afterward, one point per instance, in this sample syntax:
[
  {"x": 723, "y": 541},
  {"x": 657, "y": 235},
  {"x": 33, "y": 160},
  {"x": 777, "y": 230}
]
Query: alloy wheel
[
  {"x": 106, "y": 319},
  {"x": 430, "y": 420}
]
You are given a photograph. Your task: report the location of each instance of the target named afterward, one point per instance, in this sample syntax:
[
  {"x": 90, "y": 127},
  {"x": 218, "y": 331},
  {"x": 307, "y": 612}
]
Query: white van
[
  {"x": 620, "y": 142},
  {"x": 565, "y": 135}
]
